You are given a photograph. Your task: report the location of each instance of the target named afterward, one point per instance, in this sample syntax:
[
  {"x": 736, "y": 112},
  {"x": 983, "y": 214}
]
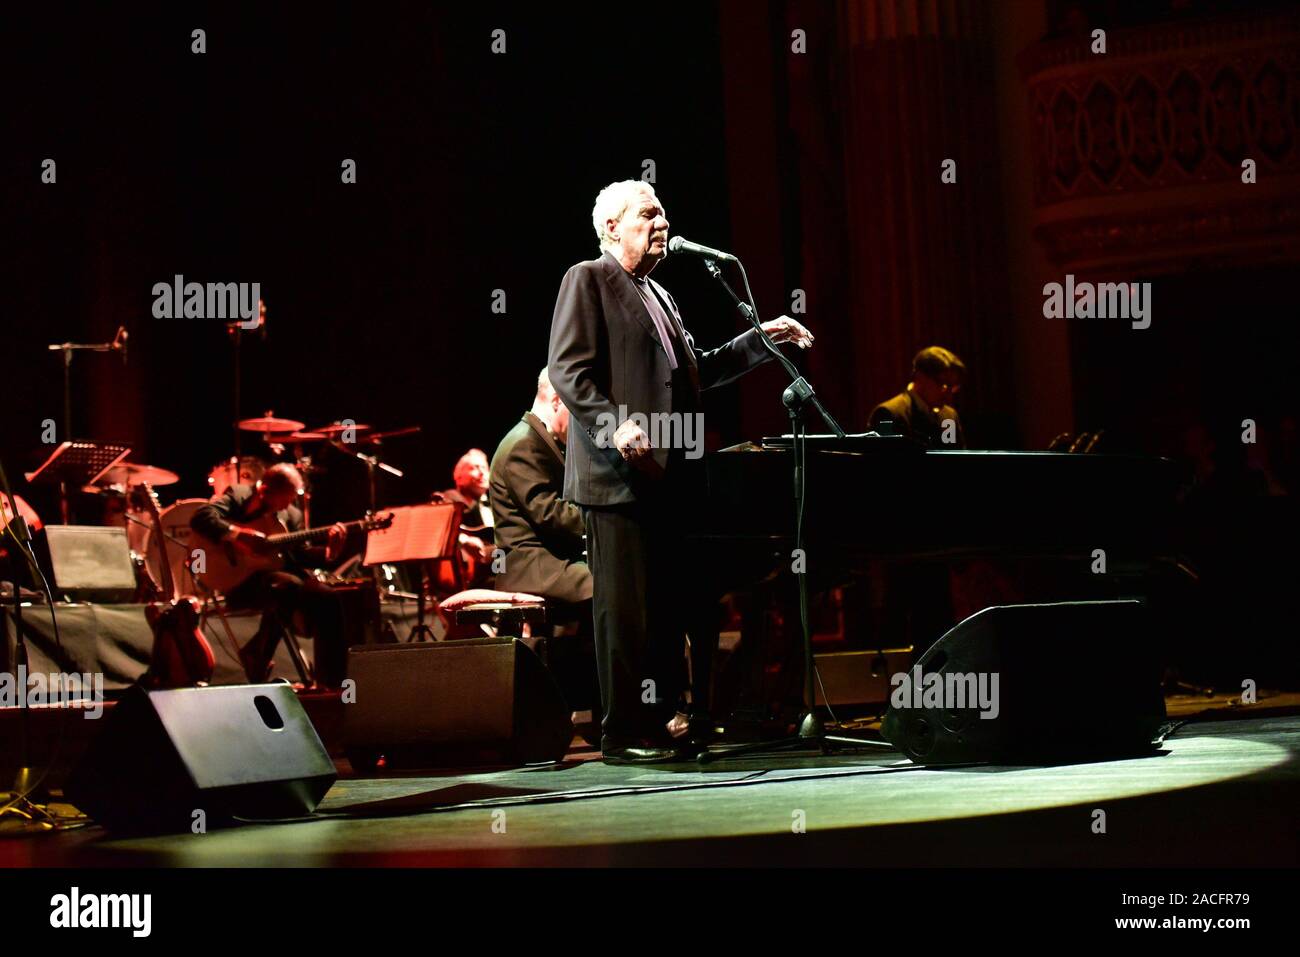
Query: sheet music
[
  {"x": 418, "y": 532},
  {"x": 80, "y": 463}
]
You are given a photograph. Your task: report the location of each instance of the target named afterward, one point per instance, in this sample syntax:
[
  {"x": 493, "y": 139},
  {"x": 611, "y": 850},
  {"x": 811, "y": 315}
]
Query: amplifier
[
  {"x": 89, "y": 562},
  {"x": 859, "y": 677},
  {"x": 453, "y": 703}
]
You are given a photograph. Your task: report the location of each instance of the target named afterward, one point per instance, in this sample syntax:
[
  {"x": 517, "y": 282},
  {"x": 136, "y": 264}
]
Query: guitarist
[
  {"x": 278, "y": 594},
  {"x": 476, "y": 545}
]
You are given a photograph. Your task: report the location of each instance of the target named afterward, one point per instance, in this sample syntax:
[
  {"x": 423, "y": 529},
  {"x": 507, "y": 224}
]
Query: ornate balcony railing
[{"x": 1116, "y": 135}]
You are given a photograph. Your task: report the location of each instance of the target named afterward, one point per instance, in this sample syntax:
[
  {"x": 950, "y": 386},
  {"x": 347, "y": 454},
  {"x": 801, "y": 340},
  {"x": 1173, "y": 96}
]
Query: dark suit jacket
[
  {"x": 471, "y": 518},
  {"x": 232, "y": 507},
  {"x": 539, "y": 531},
  {"x": 910, "y": 417},
  {"x": 605, "y": 353}
]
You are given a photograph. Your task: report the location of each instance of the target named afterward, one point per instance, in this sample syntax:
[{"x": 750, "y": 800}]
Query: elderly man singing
[{"x": 625, "y": 366}]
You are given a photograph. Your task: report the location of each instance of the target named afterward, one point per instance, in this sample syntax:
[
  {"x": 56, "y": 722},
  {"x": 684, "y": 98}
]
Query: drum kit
[{"x": 284, "y": 440}]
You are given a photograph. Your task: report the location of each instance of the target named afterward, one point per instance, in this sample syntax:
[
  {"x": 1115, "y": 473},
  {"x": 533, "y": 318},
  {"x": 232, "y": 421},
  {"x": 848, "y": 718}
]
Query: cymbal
[
  {"x": 270, "y": 424},
  {"x": 300, "y": 437},
  {"x": 335, "y": 428},
  {"x": 135, "y": 473}
]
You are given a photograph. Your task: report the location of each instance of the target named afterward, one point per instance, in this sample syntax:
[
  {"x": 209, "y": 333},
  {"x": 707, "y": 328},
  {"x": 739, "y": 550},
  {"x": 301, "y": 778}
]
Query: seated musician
[
  {"x": 919, "y": 598},
  {"x": 924, "y": 410},
  {"x": 277, "y": 593},
  {"x": 540, "y": 533},
  {"x": 541, "y": 536},
  {"x": 471, "y": 478}
]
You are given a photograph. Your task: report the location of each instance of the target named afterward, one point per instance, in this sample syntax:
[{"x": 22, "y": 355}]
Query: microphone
[
  {"x": 679, "y": 245},
  {"x": 119, "y": 342}
]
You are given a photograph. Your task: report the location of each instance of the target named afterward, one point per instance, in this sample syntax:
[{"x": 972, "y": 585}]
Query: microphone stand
[
  {"x": 236, "y": 331},
  {"x": 23, "y": 776},
  {"x": 68, "y": 348},
  {"x": 20, "y": 802},
  {"x": 799, "y": 393},
  {"x": 372, "y": 463}
]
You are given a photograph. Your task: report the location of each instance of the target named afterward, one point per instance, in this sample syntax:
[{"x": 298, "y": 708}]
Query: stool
[{"x": 512, "y": 612}]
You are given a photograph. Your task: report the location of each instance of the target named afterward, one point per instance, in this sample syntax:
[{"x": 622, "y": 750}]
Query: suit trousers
[{"x": 648, "y": 593}]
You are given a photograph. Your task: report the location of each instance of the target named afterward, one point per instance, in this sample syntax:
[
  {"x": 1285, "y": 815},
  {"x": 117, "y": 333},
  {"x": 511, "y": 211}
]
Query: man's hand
[
  {"x": 338, "y": 534},
  {"x": 785, "y": 329},
  {"x": 631, "y": 441},
  {"x": 476, "y": 548}
]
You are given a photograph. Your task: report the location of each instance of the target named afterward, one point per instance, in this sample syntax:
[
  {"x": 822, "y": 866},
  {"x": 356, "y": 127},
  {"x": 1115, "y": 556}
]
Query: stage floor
[{"x": 1220, "y": 793}]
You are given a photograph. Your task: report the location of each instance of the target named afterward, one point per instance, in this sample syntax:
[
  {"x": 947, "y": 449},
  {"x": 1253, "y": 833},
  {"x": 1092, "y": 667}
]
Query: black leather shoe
[
  {"x": 638, "y": 754},
  {"x": 688, "y": 749},
  {"x": 703, "y": 730}
]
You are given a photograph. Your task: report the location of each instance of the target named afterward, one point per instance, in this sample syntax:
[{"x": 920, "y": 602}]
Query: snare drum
[{"x": 245, "y": 470}]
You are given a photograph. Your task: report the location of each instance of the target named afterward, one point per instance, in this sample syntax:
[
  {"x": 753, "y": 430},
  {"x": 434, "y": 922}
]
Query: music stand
[
  {"x": 419, "y": 533},
  {"x": 77, "y": 464}
]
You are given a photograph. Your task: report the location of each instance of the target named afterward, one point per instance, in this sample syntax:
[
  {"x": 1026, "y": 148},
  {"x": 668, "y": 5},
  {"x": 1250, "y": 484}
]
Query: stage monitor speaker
[
  {"x": 453, "y": 703},
  {"x": 90, "y": 562},
  {"x": 851, "y": 678},
  {"x": 1033, "y": 684},
  {"x": 237, "y": 751}
]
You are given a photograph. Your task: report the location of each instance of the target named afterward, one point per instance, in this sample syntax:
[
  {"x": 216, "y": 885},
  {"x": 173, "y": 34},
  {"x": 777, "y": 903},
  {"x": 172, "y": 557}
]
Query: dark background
[{"x": 475, "y": 172}]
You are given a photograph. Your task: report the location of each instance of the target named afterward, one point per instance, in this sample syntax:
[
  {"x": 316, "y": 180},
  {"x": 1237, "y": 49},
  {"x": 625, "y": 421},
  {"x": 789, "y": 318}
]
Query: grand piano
[
  {"x": 885, "y": 496},
  {"x": 914, "y": 539}
]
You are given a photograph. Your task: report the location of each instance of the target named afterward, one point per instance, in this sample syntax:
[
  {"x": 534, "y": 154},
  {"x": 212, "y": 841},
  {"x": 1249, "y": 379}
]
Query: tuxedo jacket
[
  {"x": 538, "y": 530},
  {"x": 471, "y": 516},
  {"x": 607, "y": 362}
]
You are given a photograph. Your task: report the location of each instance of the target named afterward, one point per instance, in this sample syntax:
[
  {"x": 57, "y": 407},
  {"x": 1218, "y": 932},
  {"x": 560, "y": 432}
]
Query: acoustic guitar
[
  {"x": 226, "y": 566},
  {"x": 181, "y": 655}
]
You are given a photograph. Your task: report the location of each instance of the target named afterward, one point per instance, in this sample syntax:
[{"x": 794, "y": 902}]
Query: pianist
[
  {"x": 617, "y": 341},
  {"x": 924, "y": 410}
]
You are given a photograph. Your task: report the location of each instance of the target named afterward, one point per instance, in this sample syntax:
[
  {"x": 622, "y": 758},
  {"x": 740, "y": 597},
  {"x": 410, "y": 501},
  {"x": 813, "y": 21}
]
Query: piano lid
[{"x": 869, "y": 442}]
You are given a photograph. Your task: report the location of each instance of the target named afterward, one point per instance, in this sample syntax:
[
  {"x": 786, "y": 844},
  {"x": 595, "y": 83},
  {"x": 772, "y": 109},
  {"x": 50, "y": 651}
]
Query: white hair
[
  {"x": 544, "y": 387},
  {"x": 612, "y": 202}
]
